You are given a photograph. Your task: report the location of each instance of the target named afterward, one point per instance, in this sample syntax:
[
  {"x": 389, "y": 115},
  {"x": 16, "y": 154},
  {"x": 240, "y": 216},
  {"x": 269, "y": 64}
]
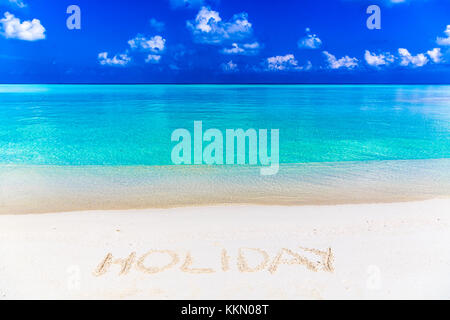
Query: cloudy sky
[{"x": 225, "y": 41}]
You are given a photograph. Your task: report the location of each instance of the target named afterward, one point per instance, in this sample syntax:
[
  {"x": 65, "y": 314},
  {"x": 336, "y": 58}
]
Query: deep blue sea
[{"x": 132, "y": 124}]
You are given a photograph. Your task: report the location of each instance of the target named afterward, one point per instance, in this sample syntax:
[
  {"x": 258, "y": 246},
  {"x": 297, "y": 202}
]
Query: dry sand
[{"x": 398, "y": 250}]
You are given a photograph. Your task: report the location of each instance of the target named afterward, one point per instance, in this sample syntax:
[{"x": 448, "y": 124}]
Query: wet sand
[{"x": 45, "y": 189}]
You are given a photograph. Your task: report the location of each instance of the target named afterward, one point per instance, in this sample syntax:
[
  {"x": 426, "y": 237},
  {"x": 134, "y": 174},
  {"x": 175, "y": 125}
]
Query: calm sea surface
[{"x": 132, "y": 124}]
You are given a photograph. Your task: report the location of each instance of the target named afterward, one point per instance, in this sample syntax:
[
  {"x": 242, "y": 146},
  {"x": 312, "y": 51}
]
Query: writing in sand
[{"x": 245, "y": 260}]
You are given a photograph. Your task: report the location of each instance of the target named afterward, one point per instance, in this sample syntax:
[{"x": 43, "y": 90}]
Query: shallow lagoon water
[
  {"x": 132, "y": 124},
  {"x": 89, "y": 147}
]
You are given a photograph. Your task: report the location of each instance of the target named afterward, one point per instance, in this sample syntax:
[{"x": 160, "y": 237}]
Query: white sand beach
[{"x": 380, "y": 251}]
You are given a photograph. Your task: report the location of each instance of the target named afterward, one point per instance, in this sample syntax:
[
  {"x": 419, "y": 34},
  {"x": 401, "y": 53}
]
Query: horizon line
[{"x": 221, "y": 83}]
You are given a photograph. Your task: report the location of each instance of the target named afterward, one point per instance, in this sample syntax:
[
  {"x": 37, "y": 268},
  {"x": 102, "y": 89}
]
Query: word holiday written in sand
[{"x": 246, "y": 260}]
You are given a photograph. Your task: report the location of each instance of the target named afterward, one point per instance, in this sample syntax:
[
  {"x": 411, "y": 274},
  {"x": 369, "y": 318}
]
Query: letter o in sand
[{"x": 142, "y": 267}]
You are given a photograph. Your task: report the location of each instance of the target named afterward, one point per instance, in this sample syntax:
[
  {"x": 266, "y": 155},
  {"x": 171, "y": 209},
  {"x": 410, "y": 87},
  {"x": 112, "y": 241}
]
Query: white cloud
[
  {"x": 246, "y": 49},
  {"x": 207, "y": 19},
  {"x": 11, "y": 27},
  {"x": 311, "y": 41},
  {"x": 235, "y": 49},
  {"x": 153, "y": 58},
  {"x": 280, "y": 63},
  {"x": 208, "y": 27},
  {"x": 18, "y": 3},
  {"x": 435, "y": 55},
  {"x": 308, "y": 66},
  {"x": 406, "y": 58},
  {"x": 157, "y": 25},
  {"x": 229, "y": 66},
  {"x": 444, "y": 41},
  {"x": 375, "y": 60},
  {"x": 155, "y": 44},
  {"x": 344, "y": 62},
  {"x": 118, "y": 60}
]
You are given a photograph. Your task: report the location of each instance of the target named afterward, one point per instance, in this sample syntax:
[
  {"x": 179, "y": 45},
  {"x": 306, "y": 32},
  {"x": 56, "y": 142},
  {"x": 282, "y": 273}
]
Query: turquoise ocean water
[
  {"x": 131, "y": 124},
  {"x": 90, "y": 147}
]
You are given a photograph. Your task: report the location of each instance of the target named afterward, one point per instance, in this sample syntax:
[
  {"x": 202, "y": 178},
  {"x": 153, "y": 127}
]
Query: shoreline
[
  {"x": 254, "y": 252},
  {"x": 35, "y": 189},
  {"x": 231, "y": 206}
]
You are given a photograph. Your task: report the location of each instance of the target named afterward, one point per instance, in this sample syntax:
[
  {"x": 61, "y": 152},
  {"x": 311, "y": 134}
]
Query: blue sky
[{"x": 225, "y": 41}]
